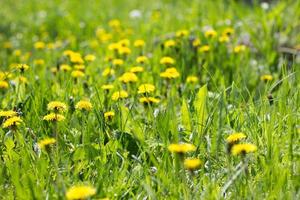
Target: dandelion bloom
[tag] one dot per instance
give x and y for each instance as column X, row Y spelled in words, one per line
column 107, row 87
column 17, row 52
column 139, row 43
column 224, row 39
column 113, row 46
column 148, row 100
column 108, row 115
column 124, row 42
column 266, row 77
column 79, row 67
column 46, row 142
column 146, row 88
column 108, row 72
column 181, row 148
column 136, row 69
column 57, row 106
column 124, row 50
column 22, row 67
column 182, row 33
column 76, row 58
column 77, row 74
column 65, row 67
column 196, row 42
column 235, row 137
column 169, row 43
column 192, row 79
column 39, row 61
column 192, row 163
column 243, row 149
column 204, row 48
column 210, row 33
column 39, row 45
column 84, row 105
column 118, row 62
column 119, row 95
column 54, row 117
column 80, row 192
column 22, row 79
column 239, row 48
column 3, row 85
column 167, row 61
column 12, row 122
column 8, row 113
column 170, row 73
column 89, row 57
column 128, row 77
column 141, row 59
column 228, row 31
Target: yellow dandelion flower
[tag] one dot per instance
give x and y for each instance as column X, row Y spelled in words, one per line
column 149, row 100
column 118, row 62
column 43, row 144
column 114, row 46
column 3, row 85
column 65, row 67
column 228, row 31
column 243, row 149
column 124, row 42
column 170, row 43
column 76, row 58
column 224, row 39
column 109, row 115
column 22, row 67
column 8, row 113
column 128, row 77
column 114, row 23
column 235, row 137
column 77, row 74
column 192, row 163
column 84, row 105
column 79, row 67
column 57, row 106
column 119, row 95
column 192, row 79
column 204, row 48
column 80, row 192
column 90, row 58
column 239, row 48
column 39, row 61
column 196, row 42
column 22, row 79
column 266, row 77
column 12, row 122
column 141, row 59
column 17, row 52
column 136, row 69
column 108, row 72
column 182, row 33
column 170, row 73
column 39, row 45
column 146, row 88
column 139, row 43
column 167, row 61
column 210, row 33
column 107, row 87
column 68, row 52
column 181, row 148
column 7, row 45
column 54, row 117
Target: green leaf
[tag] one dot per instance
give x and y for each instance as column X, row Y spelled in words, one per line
column 185, row 117
column 200, row 107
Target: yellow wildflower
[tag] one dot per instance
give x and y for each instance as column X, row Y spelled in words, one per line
column 12, row 122
column 243, row 149
column 108, row 71
column 192, row 163
column 239, row 48
column 43, row 144
column 210, row 33
column 139, row 43
column 182, row 33
column 118, row 62
column 39, row 45
column 107, row 87
column 54, row 117
column 228, row 31
column 146, row 88
column 148, row 100
column 170, row 73
column 196, row 42
column 65, row 67
column 89, row 57
column 124, row 50
column 192, row 79
column 3, row 85
column 22, row 67
column 39, row 61
column 204, row 48
column 8, row 113
column 76, row 58
column 57, row 106
column 169, row 43
column 77, row 74
column 109, row 115
column 224, row 39
column 266, row 77
column 235, row 137
column 17, row 52
column 181, row 148
column 141, row 59
column 84, row 105
column 119, row 95
column 136, row 69
column 167, row 61
column 128, row 77
column 80, row 192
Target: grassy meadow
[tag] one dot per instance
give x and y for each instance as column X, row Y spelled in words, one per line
column 135, row 99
